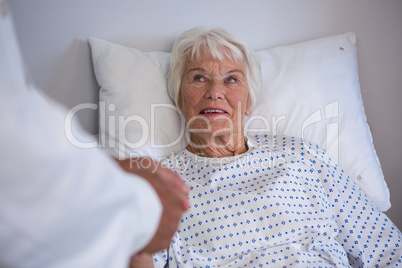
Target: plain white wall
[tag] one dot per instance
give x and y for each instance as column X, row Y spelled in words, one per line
column 53, row 36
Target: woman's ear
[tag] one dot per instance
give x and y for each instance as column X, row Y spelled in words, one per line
column 248, row 111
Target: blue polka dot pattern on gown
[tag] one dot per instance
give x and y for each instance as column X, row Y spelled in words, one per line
column 283, row 203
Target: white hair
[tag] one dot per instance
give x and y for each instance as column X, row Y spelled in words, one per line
column 219, row 43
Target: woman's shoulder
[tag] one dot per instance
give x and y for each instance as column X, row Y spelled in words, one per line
column 304, row 150
column 291, row 146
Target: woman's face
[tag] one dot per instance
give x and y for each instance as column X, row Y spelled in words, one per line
column 214, row 97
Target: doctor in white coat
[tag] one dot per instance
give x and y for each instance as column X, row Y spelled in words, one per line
column 62, row 206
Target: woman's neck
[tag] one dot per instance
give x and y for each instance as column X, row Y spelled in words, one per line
column 218, row 147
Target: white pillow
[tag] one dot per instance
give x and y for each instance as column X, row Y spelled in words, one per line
column 310, row 89
column 133, row 90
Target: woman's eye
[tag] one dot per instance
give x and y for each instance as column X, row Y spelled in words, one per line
column 230, row 80
column 199, row 78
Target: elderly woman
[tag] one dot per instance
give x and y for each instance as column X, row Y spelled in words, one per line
column 259, row 200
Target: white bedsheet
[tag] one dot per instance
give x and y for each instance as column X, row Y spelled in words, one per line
column 284, row 204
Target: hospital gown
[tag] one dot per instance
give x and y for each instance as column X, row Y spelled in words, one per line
column 284, row 203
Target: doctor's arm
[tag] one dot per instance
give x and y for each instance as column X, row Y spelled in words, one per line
column 63, row 206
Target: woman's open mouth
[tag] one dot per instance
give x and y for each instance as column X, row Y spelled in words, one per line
column 213, row 111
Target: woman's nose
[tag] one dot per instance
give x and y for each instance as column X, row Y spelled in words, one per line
column 215, row 91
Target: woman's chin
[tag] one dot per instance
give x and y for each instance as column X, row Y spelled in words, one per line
column 213, row 133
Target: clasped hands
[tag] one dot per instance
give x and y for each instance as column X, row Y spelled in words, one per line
column 173, row 195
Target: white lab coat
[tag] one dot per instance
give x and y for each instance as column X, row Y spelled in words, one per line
column 60, row 206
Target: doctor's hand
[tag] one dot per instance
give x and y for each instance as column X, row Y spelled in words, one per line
column 172, row 192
